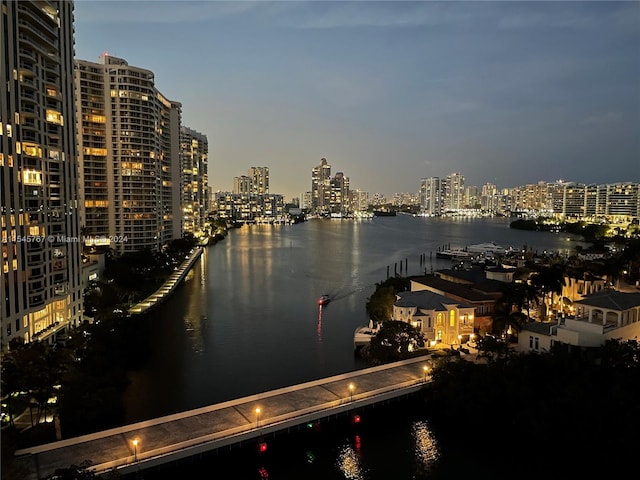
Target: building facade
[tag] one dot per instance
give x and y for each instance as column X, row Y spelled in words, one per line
column 431, row 196
column 129, row 147
column 321, row 187
column 259, row 180
column 194, row 150
column 40, row 281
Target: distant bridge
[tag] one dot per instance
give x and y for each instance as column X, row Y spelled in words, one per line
column 166, row 439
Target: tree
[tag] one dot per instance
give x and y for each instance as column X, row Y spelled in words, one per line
column 549, row 281
column 380, row 303
column 394, row 341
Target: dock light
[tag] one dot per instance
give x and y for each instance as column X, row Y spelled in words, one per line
column 356, row 419
column 262, row 447
column 351, row 389
column 258, row 417
column 425, row 369
column 135, row 442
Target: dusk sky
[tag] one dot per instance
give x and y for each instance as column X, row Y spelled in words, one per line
column 391, row 92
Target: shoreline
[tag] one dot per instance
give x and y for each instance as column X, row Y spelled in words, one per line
column 169, row 285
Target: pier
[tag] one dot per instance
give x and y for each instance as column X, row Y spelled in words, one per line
column 152, row 443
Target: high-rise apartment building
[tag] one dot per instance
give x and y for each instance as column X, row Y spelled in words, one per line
column 454, row 192
column 40, row 280
column 259, row 180
column 242, row 185
column 431, row 196
column 129, row 147
column 321, row 187
column 194, row 149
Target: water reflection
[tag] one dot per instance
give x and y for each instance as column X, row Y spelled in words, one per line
column 349, row 460
column 426, row 448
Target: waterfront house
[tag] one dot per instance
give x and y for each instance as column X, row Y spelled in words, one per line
column 601, row 316
column 472, row 289
column 439, row 318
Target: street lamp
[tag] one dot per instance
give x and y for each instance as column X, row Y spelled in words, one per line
column 258, row 417
column 135, row 442
column 351, row 388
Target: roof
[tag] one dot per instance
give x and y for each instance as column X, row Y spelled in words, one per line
column 611, row 300
column 477, row 278
column 427, row 300
column 542, row 328
column 464, row 291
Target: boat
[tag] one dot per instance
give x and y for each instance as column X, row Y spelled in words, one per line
column 489, row 249
column 324, row 299
column 454, row 254
column 363, row 335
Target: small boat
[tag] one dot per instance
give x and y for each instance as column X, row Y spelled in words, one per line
column 324, row 299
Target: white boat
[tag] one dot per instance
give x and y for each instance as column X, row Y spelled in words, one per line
column 454, row 254
column 363, row 335
column 489, row 249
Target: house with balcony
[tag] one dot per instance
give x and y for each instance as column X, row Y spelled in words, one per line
column 477, row 291
column 439, row 318
column 601, row 316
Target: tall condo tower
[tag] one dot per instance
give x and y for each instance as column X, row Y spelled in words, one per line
column 321, row 187
column 129, row 146
column 259, row 180
column 40, row 280
column 194, row 148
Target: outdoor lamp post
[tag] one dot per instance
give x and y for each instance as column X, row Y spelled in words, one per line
column 135, row 449
column 351, row 388
column 425, row 369
column 258, row 417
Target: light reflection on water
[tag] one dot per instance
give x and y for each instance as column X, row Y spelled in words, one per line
column 349, row 460
column 426, row 450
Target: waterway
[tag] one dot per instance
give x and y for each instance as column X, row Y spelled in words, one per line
column 246, row 319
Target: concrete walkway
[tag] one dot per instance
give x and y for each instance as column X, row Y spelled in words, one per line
column 169, row 285
column 161, row 440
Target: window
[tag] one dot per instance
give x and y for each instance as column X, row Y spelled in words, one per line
column 536, row 343
column 530, row 342
column 452, row 318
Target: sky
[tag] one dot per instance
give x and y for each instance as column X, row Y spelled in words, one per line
column 506, row 92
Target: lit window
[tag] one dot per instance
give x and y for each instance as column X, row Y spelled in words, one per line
column 452, row 318
column 54, row 116
column 32, row 177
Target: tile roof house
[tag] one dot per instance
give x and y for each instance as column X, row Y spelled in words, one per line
column 439, row 318
column 601, row 316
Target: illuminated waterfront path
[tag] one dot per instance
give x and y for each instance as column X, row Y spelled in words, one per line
column 169, row 285
column 154, row 442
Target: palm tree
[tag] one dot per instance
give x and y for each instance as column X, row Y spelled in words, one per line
column 549, row 281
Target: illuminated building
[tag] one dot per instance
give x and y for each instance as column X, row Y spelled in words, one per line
column 40, row 281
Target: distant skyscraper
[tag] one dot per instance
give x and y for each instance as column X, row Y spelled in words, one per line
column 321, row 187
column 454, row 192
column 40, row 280
column 340, row 200
column 242, row 185
column 259, row 180
column 431, row 196
column 129, row 156
column 195, row 184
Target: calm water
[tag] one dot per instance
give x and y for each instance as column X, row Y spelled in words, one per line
column 246, row 320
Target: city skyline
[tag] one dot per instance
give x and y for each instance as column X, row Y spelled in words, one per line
column 504, row 93
column 508, row 93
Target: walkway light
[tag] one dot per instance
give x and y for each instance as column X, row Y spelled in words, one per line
column 425, row 369
column 135, row 442
column 351, row 389
column 258, row 417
